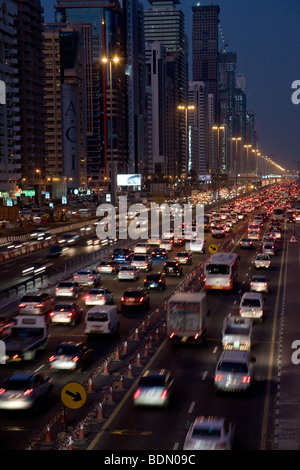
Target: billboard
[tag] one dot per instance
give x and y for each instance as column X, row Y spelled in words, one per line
column 204, row 178
column 129, row 180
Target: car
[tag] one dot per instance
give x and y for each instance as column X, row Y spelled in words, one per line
column 268, row 239
column 36, row 303
column 99, row 296
column 70, row 355
column 269, row 248
column 178, row 241
column 142, row 262
column 128, row 273
column 155, row 388
column 246, row 243
column 259, row 284
column 234, row 371
column 184, row 257
column 55, row 251
column 167, row 244
column 159, row 253
column 135, row 297
column 70, row 238
column 262, row 261
column 34, row 270
column 218, row 231
column 68, row 289
column 94, row 240
column 155, row 281
column 88, row 277
column 24, row 391
column 277, row 234
column 142, row 248
column 172, row 268
column 210, row 433
column 67, row 313
column 252, row 306
column 195, row 245
column 108, row 266
column 122, row 255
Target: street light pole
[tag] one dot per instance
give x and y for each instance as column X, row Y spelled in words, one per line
column 236, row 163
column 247, row 163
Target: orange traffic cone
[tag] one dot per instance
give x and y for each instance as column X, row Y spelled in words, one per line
column 105, row 368
column 70, row 444
column 136, row 335
column 117, row 355
column 81, row 432
column 146, row 352
column 90, row 386
column 143, row 327
column 156, row 334
column 121, row 383
column 110, row 399
column 138, row 359
column 129, row 373
column 99, row 414
column 125, row 349
column 48, row 436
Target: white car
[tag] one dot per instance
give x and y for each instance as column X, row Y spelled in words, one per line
column 262, row 260
column 142, row 248
column 142, row 262
column 100, row 296
column 24, row 390
column 36, row 303
column 234, row 371
column 252, row 306
column 166, row 244
column 155, row 388
column 218, row 231
column 87, row 277
column 210, row 433
column 259, row 284
column 128, row 273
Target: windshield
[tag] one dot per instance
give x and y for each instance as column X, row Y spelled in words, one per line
column 132, row 294
column 97, row 316
column 237, row 330
column 67, row 349
column 251, row 303
column 152, row 382
column 206, row 432
column 14, row 384
column 217, row 269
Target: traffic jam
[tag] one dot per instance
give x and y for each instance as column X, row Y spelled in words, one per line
column 94, row 304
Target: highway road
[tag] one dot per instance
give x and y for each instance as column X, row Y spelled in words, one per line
column 193, row 367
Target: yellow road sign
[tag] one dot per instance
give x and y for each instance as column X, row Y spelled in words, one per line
column 73, row 395
column 213, row 248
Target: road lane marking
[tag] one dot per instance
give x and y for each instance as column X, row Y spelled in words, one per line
column 192, row 405
column 176, row 446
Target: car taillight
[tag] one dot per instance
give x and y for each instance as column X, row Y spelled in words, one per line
column 171, row 335
column 22, row 305
column 141, row 299
column 28, row 392
column 251, row 283
column 218, row 378
column 51, row 314
column 265, row 284
column 75, row 359
column 246, row 379
column 70, row 314
column 90, row 277
column 51, row 358
column 75, row 277
column 240, row 311
column 122, row 299
column 137, row 394
column 86, row 297
column 2, row 390
column 164, row 394
column 38, row 305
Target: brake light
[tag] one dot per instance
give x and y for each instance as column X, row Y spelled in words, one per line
column 22, row 305
column 15, row 356
column 218, row 378
column 51, row 314
column 171, row 335
column 38, row 305
column 70, row 314
column 75, row 359
column 51, row 358
column 122, row 298
column 141, row 299
column 75, row 277
column 28, row 392
column 196, row 336
column 164, row 394
column 240, row 311
column 137, row 394
column 246, row 379
column 2, row 390
column 251, row 283
column 90, row 277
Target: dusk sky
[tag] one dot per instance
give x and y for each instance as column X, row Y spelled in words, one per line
column 265, row 36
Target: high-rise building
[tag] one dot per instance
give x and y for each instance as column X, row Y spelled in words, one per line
column 10, row 130
column 164, row 23
column 102, row 29
column 29, row 24
column 65, row 111
column 198, row 97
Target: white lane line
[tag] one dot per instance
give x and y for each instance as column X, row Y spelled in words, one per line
column 191, row 407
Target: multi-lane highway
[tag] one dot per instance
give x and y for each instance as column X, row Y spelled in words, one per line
column 128, row 428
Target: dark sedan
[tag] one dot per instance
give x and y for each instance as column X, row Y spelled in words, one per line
column 155, row 281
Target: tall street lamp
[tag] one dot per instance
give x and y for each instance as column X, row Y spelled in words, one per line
column 247, row 164
column 114, row 60
column 186, row 109
column 236, row 139
column 218, row 129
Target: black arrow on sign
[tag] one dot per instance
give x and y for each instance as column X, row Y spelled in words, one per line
column 76, row 396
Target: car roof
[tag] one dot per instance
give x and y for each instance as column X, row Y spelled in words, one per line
column 237, row 356
column 156, row 372
column 204, row 420
column 252, row 294
column 21, row 375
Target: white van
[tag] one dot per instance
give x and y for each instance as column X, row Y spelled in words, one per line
column 196, row 245
column 102, row 319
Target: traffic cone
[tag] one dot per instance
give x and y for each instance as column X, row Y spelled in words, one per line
column 117, row 355
column 81, row 432
column 146, row 352
column 90, row 386
column 105, row 368
column 63, row 418
column 129, row 373
column 157, row 313
column 121, row 383
column 148, row 321
column 136, row 335
column 48, row 436
column 156, row 334
column 138, row 359
column 110, row 399
column 99, row 414
column 70, row 444
column 125, row 348
column 150, row 342
column 143, row 327
column 164, row 327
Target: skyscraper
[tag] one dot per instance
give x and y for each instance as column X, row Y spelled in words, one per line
column 164, row 23
column 102, row 28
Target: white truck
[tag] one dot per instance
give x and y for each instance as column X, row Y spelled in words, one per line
column 186, row 317
column 237, row 333
column 26, row 336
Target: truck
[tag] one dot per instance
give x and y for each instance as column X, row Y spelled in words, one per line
column 26, row 335
column 187, row 317
column 237, row 333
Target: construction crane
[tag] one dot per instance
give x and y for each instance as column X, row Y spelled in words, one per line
column 224, row 41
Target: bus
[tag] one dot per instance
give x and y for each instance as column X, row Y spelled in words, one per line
column 221, row 270
column 278, row 213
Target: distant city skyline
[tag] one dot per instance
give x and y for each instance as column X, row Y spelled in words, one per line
column 264, row 34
